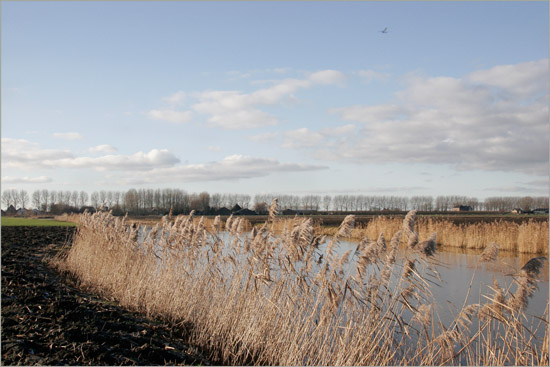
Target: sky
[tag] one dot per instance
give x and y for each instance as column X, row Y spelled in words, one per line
column 276, row 97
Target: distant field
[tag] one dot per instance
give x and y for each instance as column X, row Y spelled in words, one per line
column 10, row 221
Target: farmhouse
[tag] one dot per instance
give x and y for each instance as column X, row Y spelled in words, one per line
column 245, row 212
column 223, row 211
column 462, row 208
column 10, row 212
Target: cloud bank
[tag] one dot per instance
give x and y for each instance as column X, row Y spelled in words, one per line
column 26, row 155
column 233, row 167
column 160, row 165
column 494, row 119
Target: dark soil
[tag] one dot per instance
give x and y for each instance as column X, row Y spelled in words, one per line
column 47, row 320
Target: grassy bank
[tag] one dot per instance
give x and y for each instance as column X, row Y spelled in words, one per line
column 280, row 298
column 30, row 222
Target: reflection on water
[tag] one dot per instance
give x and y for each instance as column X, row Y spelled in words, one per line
column 460, row 273
column 456, row 268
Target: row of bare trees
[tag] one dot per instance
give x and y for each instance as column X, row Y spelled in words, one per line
column 144, row 201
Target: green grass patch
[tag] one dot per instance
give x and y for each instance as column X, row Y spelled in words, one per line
column 11, row 221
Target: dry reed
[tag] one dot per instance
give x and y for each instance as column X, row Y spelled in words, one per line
column 528, row 237
column 280, row 294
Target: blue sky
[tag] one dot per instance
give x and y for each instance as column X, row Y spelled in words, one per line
column 277, row 97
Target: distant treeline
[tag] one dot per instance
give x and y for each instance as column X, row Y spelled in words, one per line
column 161, row 201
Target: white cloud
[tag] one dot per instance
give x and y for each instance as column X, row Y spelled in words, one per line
column 494, row 119
column 370, row 114
column 339, row 130
column 22, row 154
column 230, row 109
column 232, row 167
column 136, row 162
column 178, row 117
column 302, row 138
column 68, row 136
column 326, row 137
column 522, row 80
column 327, row 77
column 176, row 98
column 214, row 148
column 160, row 165
column 104, row 148
column 26, row 179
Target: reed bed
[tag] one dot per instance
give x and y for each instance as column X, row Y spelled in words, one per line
column 530, row 237
column 288, row 297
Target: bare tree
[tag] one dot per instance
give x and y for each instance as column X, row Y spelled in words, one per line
column 327, row 199
column 260, row 207
column 94, row 198
column 45, row 198
column 103, row 197
column 15, row 198
column 24, row 198
column 116, row 198
column 74, row 198
column 37, row 199
column 82, row 198
column 53, row 198
column 7, row 198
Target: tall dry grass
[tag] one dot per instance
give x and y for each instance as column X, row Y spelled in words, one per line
column 528, row 237
column 290, row 298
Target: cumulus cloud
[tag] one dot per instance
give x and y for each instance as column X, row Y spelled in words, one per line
column 25, row 179
column 521, row 80
column 231, row 109
column 232, row 167
column 103, row 148
column 495, row 119
column 22, row 154
column 327, row 77
column 136, row 162
column 302, row 138
column 176, row 98
column 68, row 136
column 160, row 164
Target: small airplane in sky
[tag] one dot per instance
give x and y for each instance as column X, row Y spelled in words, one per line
column 385, row 30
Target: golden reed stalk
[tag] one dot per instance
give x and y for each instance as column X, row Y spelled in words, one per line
column 263, row 297
column 528, row 237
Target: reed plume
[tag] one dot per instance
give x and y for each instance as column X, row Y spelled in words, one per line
column 526, row 283
column 490, row 253
column 428, row 247
column 288, row 296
